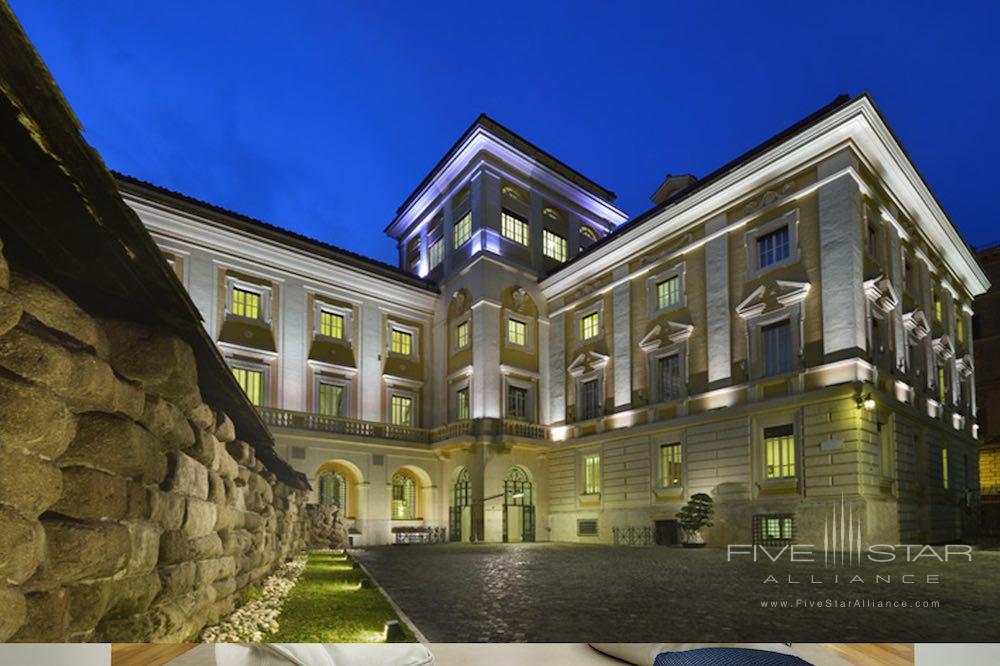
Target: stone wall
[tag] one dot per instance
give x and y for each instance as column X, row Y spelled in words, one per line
column 129, row 510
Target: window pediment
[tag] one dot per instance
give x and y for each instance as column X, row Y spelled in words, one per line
column 675, row 332
column 882, row 294
column 916, row 324
column 944, row 348
column 781, row 292
column 965, row 365
column 587, row 362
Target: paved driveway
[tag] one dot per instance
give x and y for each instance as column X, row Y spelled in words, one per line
column 578, row 593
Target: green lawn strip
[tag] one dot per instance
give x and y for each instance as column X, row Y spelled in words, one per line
column 328, row 606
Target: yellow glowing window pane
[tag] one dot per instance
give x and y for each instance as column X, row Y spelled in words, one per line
column 463, row 404
column 589, row 326
column 402, row 342
column 252, row 383
column 591, row 474
column 668, row 293
column 401, row 412
column 246, row 303
column 462, row 335
column 959, row 328
column 779, row 452
column 404, row 497
column 944, row 468
column 670, row 465
column 331, row 324
column 463, row 230
column 435, row 252
column 514, row 228
column 554, row 246
column 937, row 307
column 942, row 388
column 517, row 332
column 330, row 399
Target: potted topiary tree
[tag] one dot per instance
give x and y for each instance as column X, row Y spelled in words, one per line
column 692, row 517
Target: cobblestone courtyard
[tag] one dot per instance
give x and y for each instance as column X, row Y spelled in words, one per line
column 573, row 593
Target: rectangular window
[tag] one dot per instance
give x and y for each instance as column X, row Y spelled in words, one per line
column 246, row 303
column 402, row 342
column 590, row 326
column 937, row 306
column 252, row 383
column 779, row 452
column 872, row 241
column 772, row 247
column 586, row 527
column 517, row 332
column 942, row 385
column 590, row 405
column 435, row 253
column 776, row 345
column 401, row 410
column 670, row 465
column 462, row 335
column 517, row 402
column 773, row 529
column 944, row 468
column 959, row 328
column 668, row 293
column 331, row 324
column 671, row 383
column 514, row 227
column 331, row 399
column 554, row 246
column 591, row 474
column 462, row 404
column 463, row 230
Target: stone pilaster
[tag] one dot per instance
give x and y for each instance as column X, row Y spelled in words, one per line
column 622, row 339
column 718, row 313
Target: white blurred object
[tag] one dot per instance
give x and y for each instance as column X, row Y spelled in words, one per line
column 966, row 654
column 306, row 654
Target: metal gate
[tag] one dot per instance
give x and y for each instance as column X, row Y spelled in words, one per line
column 461, row 497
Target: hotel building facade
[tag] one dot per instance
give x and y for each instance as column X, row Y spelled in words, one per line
column 789, row 331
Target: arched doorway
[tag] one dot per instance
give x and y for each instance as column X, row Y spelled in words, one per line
column 333, row 490
column 404, row 496
column 518, row 506
column 460, row 513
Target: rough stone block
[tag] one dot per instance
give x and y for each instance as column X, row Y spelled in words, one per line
column 212, row 570
column 138, row 501
column 57, row 311
column 14, row 611
column 177, row 580
column 116, row 445
column 22, row 544
column 162, row 364
column 205, row 449
column 225, row 431
column 90, row 494
column 88, row 602
column 228, row 517
column 186, row 475
column 176, row 546
column 202, row 417
column 200, row 517
column 242, row 452
column 133, row 595
column 47, row 618
column 176, row 621
column 33, row 418
column 10, row 311
column 78, row 551
column 224, row 588
column 27, row 482
column 144, row 538
column 216, row 489
column 168, row 423
column 166, row 508
column 227, row 466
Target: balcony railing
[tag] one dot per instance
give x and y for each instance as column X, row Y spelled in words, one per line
column 338, row 425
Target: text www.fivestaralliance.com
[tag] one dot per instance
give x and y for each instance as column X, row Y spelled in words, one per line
column 848, row 603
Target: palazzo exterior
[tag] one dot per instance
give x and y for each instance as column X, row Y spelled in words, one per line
column 790, row 330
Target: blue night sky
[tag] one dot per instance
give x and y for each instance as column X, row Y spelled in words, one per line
column 322, row 117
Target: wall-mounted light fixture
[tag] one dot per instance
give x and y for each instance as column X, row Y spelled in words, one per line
column 866, row 402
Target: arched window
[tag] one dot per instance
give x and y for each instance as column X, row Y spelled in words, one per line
column 404, row 497
column 461, row 494
column 333, row 490
column 517, row 487
column 588, row 233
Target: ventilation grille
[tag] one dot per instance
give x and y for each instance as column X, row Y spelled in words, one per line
column 586, row 528
column 378, row 460
column 298, row 453
column 773, row 529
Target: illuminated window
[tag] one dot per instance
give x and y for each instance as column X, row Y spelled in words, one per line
column 590, row 400
column 671, row 384
column 252, row 383
column 779, row 452
column 333, row 490
column 668, row 293
column 404, row 497
column 435, row 253
column 937, row 306
column 513, row 227
column 670, row 465
column 246, row 303
column 401, row 410
column 554, row 246
column 402, row 342
column 959, row 328
column 591, row 474
column 331, row 324
column 463, row 230
column 942, row 387
column 588, row 234
column 517, row 402
column 462, row 335
column 517, row 332
column 590, row 326
column 944, row 468
column 462, row 404
column 773, row 529
column 772, row 247
column 331, row 397
column 776, row 343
